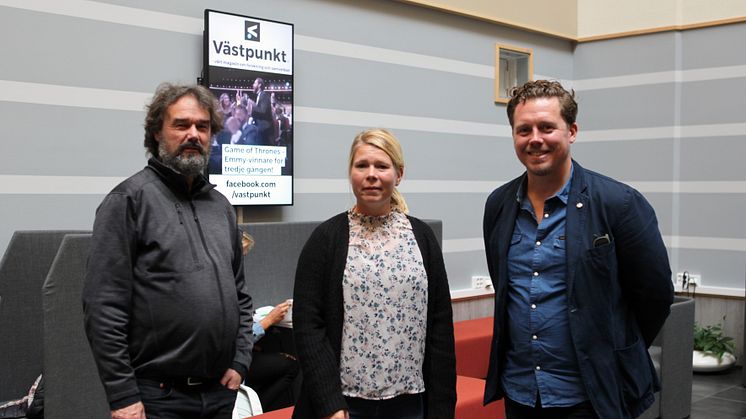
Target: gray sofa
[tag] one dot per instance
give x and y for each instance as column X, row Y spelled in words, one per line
column 672, row 355
column 23, row 268
column 73, row 389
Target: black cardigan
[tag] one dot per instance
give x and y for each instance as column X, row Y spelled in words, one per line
column 318, row 314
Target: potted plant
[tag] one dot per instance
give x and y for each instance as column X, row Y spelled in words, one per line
column 713, row 351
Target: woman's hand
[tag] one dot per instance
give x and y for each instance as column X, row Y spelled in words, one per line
column 276, row 315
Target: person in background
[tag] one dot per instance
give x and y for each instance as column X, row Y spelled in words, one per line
column 273, row 375
column 166, row 309
column 261, row 112
column 226, row 106
column 581, row 276
column 372, row 315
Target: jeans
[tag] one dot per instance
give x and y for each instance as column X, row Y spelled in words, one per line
column 163, row 400
column 515, row 410
column 406, row 406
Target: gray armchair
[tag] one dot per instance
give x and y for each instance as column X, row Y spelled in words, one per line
column 672, row 355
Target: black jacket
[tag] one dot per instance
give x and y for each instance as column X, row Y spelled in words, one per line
column 318, row 313
column 164, row 294
column 619, row 290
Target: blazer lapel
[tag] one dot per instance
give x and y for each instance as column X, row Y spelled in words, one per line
column 578, row 205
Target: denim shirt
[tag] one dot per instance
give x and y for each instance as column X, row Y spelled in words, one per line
column 540, row 360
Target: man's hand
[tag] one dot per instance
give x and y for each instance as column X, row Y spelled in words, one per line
column 133, row 411
column 339, row 414
column 231, row 379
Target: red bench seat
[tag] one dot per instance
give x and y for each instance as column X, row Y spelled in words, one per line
column 473, row 341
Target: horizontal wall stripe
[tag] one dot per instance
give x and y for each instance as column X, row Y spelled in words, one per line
column 57, row 185
column 83, row 97
column 695, row 187
column 190, row 25
column 46, row 94
column 370, row 119
column 100, row 185
column 364, row 52
column 725, row 291
column 672, row 242
column 92, row 185
column 463, row 245
column 72, row 185
column 194, row 26
column 705, row 243
column 104, row 12
column 57, row 95
column 683, row 131
column 642, row 79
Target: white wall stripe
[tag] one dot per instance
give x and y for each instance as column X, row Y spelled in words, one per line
column 57, row 185
column 103, row 12
column 84, row 97
column 682, row 242
column 642, row 79
column 463, row 245
column 364, row 52
column 193, row 26
column 705, row 243
column 370, row 119
column 99, row 185
column 471, row 292
column 698, row 187
column 112, row 13
column 58, row 95
column 683, row 131
column 623, row 81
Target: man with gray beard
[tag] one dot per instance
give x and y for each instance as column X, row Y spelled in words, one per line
column 167, row 313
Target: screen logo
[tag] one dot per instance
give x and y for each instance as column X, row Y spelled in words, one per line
column 251, row 31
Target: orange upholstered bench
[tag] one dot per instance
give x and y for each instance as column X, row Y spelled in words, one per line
column 469, row 405
column 285, row 413
column 470, row 393
column 473, row 341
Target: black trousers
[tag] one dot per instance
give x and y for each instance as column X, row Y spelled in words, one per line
column 276, row 379
column 514, row 410
column 165, row 400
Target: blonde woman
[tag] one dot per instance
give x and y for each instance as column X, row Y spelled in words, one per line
column 372, row 312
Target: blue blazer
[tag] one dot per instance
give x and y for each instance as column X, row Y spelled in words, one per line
column 619, row 291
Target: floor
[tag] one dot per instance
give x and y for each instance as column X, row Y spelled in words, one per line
column 718, row 395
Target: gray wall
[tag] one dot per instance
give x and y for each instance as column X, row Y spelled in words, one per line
column 667, row 113
column 75, row 75
column 72, row 91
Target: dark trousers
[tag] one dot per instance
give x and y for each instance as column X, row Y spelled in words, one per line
column 515, row 410
column 167, row 400
column 406, row 406
column 275, row 378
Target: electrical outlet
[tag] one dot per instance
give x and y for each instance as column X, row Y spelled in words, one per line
column 693, row 280
column 480, row 282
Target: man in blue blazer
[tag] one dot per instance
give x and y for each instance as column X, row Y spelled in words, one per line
column 581, row 274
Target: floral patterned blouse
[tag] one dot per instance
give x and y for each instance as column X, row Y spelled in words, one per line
column 385, row 309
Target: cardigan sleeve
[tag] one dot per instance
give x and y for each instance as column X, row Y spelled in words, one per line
column 311, row 323
column 440, row 358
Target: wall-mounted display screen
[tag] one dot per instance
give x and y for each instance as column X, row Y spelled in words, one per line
column 249, row 67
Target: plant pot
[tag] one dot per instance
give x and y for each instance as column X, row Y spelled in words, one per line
column 709, row 362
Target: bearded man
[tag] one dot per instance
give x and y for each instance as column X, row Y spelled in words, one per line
column 167, row 313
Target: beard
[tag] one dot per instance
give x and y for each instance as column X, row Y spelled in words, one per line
column 188, row 165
